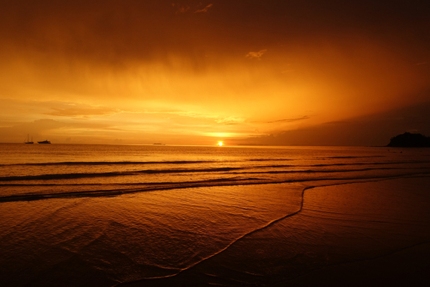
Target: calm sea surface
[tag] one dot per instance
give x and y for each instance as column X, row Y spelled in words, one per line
column 30, row 172
column 105, row 215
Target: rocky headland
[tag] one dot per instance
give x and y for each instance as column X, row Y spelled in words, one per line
column 410, row 140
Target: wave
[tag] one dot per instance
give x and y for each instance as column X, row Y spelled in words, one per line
column 231, row 170
column 353, row 156
column 114, row 173
column 371, row 163
column 190, row 162
column 90, row 163
column 270, row 159
column 117, row 189
column 120, row 189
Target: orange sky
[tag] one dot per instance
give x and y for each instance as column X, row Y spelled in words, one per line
column 195, row 72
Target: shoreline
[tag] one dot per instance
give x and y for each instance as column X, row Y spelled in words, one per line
column 350, row 232
column 383, row 265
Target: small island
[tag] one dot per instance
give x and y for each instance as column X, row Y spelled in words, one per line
column 410, row 140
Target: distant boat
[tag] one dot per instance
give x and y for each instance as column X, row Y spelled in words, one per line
column 28, row 141
column 44, row 142
column 159, row 144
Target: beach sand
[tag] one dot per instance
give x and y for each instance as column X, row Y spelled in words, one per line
column 368, row 233
column 356, row 234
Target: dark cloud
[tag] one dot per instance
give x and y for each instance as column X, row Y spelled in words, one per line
column 118, row 30
column 290, row 120
column 375, row 130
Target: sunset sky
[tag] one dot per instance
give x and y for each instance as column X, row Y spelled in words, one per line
column 195, row 72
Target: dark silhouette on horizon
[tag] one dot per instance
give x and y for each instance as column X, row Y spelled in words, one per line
column 410, row 140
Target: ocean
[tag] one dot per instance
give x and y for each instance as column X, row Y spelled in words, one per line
column 160, row 215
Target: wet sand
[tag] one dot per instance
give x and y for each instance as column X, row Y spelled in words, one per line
column 322, row 233
column 355, row 234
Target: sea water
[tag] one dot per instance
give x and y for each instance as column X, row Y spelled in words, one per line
column 108, row 215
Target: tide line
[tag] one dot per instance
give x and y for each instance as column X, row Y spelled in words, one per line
column 265, row 226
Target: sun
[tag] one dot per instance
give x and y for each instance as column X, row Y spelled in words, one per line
column 220, row 143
